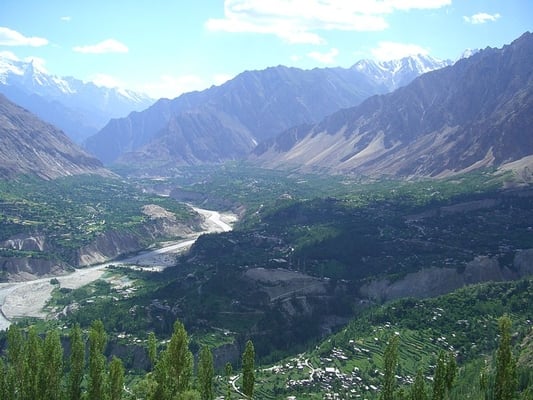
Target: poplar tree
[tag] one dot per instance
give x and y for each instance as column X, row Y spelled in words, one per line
column 173, row 370
column 248, row 370
column 206, row 372
column 439, row 377
column 390, row 360
column 15, row 359
column 52, row 367
column 116, row 379
column 505, row 383
column 77, row 363
column 228, row 369
column 418, row 390
column 152, row 349
column 97, row 361
column 32, row 360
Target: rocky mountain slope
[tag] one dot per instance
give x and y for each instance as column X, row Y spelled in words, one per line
column 80, row 109
column 476, row 113
column 30, row 146
column 226, row 122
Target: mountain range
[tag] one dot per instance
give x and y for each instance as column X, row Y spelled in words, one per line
column 226, row 122
column 31, row 146
column 80, row 109
column 476, row 113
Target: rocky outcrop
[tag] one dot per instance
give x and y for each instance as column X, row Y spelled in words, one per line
column 22, row 269
column 436, row 281
column 112, row 244
column 25, row 243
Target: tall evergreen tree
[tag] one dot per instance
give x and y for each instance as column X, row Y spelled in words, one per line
column 451, row 370
column 439, row 377
column 228, row 369
column 248, row 370
column 505, row 383
column 152, row 348
column 116, row 379
column 77, row 363
column 173, row 370
column 15, row 358
column 206, row 373
column 97, row 361
column 418, row 389
column 32, row 365
column 390, row 361
column 52, row 367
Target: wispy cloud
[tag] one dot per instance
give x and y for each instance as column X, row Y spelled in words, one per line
column 300, row 21
column 105, row 46
column 170, row 87
column 9, row 37
column 66, row 18
column 481, row 18
column 387, row 51
column 324, row 58
column 105, row 80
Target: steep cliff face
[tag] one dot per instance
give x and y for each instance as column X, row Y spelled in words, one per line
column 432, row 282
column 112, row 244
column 25, row 269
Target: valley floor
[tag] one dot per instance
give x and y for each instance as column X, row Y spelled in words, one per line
column 28, row 299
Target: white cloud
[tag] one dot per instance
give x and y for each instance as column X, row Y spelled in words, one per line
column 9, row 56
column 105, row 46
column 324, row 58
column 297, row 21
column 171, row 87
column 105, row 80
column 481, row 18
column 66, row 18
column 387, row 51
column 9, row 37
column 220, row 79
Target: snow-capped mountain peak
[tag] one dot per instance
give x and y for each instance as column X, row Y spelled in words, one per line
column 78, row 108
column 395, row 73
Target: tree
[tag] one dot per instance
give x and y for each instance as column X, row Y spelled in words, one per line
column 418, row 389
column 390, row 360
column 248, row 370
column 451, row 370
column 505, row 383
column 32, row 365
column 439, row 377
column 52, row 371
column 15, row 359
column 77, row 363
column 116, row 379
column 97, row 361
column 206, row 373
column 173, row 370
column 152, row 348
column 228, row 369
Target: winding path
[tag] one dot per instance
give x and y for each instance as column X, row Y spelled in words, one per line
column 27, row 299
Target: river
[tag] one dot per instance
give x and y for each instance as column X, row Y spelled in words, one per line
column 28, row 298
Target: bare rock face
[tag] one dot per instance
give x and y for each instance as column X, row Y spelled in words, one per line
column 523, row 262
column 434, row 281
column 22, row 269
column 25, row 243
column 29, row 146
column 112, row 244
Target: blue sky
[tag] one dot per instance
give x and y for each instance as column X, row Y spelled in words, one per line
column 169, row 47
